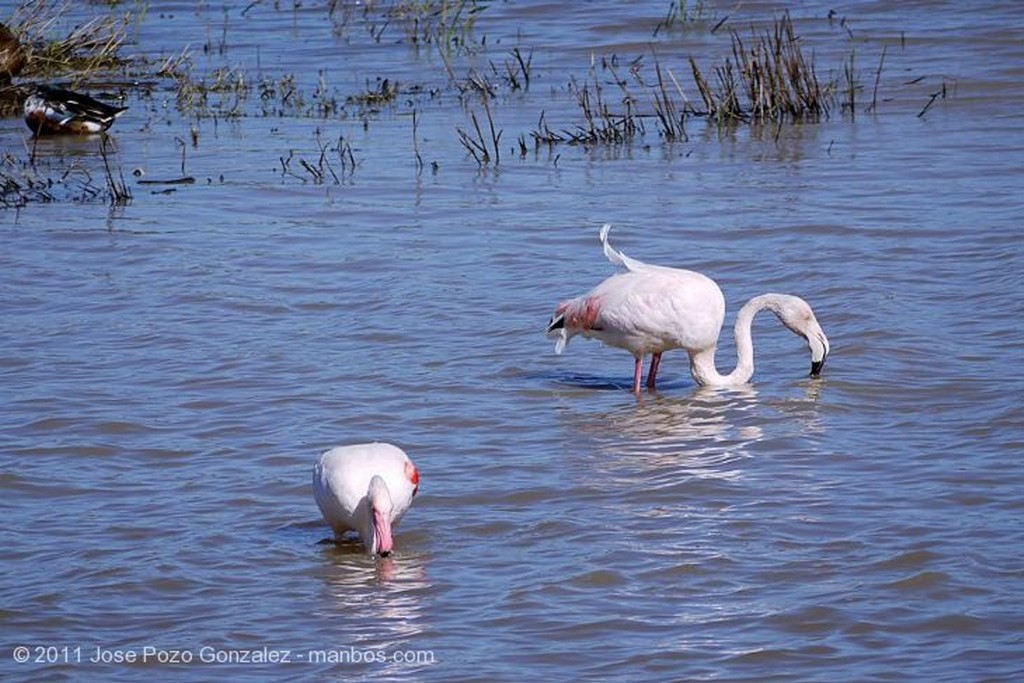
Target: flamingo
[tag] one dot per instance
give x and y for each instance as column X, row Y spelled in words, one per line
column 365, row 488
column 651, row 309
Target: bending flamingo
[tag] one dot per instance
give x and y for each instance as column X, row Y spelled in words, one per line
column 365, row 488
column 651, row 309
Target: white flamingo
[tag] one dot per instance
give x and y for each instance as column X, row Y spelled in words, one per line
column 650, row 309
column 365, row 488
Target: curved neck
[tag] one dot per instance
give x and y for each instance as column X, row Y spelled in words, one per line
column 377, row 505
column 702, row 363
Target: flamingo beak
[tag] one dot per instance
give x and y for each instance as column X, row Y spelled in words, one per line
column 382, row 531
column 818, row 343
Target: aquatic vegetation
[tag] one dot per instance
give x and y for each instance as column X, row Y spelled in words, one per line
column 768, row 74
column 24, row 181
column 447, row 23
column 671, row 120
column 516, row 71
column 482, row 147
column 385, row 92
column 681, row 13
column 321, row 169
column 772, row 79
column 603, row 125
column 86, row 50
column 768, row 77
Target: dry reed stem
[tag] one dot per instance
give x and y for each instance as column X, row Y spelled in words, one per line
column 778, row 80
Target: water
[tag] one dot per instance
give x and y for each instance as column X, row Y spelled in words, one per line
column 172, row 369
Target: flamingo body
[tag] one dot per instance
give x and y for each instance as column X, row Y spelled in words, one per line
column 650, row 309
column 365, row 488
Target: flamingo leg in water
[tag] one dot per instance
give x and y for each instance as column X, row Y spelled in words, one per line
column 653, row 372
column 638, row 371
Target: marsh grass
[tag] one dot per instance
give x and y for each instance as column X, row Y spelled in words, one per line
column 937, row 95
column 196, row 97
column 21, row 183
column 58, row 179
column 603, row 122
column 226, row 92
column 671, row 119
column 483, row 147
column 544, row 135
column 117, row 191
column 681, row 13
column 385, row 92
column 516, row 71
column 448, row 24
column 769, row 78
column 84, row 51
column 321, row 170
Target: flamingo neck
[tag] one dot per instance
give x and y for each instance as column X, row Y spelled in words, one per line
column 702, row 363
column 377, row 519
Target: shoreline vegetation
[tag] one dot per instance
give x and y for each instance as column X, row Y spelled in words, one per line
column 769, row 76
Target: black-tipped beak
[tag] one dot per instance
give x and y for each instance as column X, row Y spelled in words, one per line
column 816, row 366
column 384, row 553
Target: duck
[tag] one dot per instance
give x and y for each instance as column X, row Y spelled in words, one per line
column 49, row 109
column 365, row 488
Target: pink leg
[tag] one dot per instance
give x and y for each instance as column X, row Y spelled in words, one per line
column 653, row 372
column 638, row 371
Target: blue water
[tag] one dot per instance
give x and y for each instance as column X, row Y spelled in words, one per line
column 171, row 369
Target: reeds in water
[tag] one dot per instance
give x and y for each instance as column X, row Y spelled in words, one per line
column 604, row 124
column 771, row 79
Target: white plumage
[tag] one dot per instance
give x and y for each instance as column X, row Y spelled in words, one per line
column 651, row 309
column 365, row 488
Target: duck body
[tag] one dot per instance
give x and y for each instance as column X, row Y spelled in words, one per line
column 51, row 110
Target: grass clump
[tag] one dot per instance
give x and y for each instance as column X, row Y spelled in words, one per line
column 385, row 92
column 771, row 79
column 85, row 50
column 447, row 23
column 56, row 179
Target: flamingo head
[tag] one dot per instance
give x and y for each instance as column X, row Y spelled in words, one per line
column 381, row 510
column 796, row 314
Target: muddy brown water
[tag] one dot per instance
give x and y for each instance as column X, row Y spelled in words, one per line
column 171, row 369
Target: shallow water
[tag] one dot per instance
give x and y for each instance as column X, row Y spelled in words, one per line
column 171, row 369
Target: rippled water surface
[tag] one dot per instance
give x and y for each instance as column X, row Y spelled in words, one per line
column 172, row 368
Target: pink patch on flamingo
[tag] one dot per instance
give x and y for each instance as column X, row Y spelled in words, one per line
column 413, row 475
